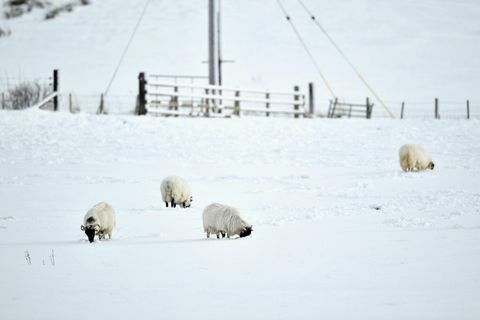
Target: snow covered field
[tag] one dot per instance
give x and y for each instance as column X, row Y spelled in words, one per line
column 311, row 189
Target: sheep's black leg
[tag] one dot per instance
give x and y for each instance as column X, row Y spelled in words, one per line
column 184, row 205
column 166, row 204
column 223, row 234
column 218, row 236
column 172, row 204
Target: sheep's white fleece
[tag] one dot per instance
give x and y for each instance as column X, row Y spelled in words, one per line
column 412, row 156
column 104, row 216
column 177, row 189
column 219, row 218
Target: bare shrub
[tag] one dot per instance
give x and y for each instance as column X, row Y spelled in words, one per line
column 26, row 94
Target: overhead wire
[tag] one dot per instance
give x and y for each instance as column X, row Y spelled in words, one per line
column 127, row 46
column 307, row 50
column 349, row 62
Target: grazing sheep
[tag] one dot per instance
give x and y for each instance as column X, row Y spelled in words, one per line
column 175, row 190
column 99, row 220
column 224, row 220
column 412, row 156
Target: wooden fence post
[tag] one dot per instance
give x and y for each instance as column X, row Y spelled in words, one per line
column 55, row 89
column 267, row 105
column 207, row 103
column 142, row 92
column 335, row 102
column 101, row 107
column 3, row 100
column 311, row 100
column 369, row 109
column 296, row 97
column 70, row 104
column 468, row 109
column 401, row 111
column 437, row 116
column 236, row 107
column 175, row 99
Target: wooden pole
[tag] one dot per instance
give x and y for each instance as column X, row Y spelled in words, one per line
column 70, row 107
column 236, row 106
column 296, row 97
column 212, row 43
column 142, row 92
column 55, row 89
column 267, row 105
column 369, row 109
column 311, row 100
column 207, row 104
column 468, row 109
column 334, row 107
column 175, row 99
column 437, row 116
column 101, row 108
column 403, row 109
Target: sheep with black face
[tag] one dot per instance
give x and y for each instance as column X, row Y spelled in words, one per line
column 414, row 157
column 99, row 221
column 224, row 220
column 175, row 190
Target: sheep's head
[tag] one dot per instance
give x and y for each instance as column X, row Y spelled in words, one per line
column 188, row 203
column 90, row 231
column 431, row 165
column 246, row 231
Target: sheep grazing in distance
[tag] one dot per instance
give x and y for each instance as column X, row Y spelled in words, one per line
column 224, row 220
column 175, row 190
column 412, row 156
column 99, row 220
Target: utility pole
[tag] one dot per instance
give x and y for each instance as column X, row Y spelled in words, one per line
column 219, row 44
column 213, row 59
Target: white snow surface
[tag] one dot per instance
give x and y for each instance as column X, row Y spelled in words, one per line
column 408, row 50
column 311, row 189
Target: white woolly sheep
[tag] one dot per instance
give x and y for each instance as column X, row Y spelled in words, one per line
column 412, row 156
column 99, row 220
column 175, row 190
column 224, row 220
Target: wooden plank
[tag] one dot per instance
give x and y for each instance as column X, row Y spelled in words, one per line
column 218, row 97
column 45, row 100
column 215, row 87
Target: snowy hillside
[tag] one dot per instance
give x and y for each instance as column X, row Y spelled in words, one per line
column 340, row 232
column 408, row 50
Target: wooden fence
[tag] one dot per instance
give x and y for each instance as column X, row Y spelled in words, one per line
column 186, row 99
column 339, row 109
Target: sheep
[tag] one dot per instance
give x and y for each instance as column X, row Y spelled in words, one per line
column 412, row 156
column 175, row 190
column 99, row 220
column 224, row 220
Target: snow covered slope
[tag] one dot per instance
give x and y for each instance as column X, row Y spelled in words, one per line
column 408, row 50
column 340, row 232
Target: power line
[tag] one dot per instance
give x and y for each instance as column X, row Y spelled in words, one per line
column 369, row 87
column 127, row 46
column 307, row 50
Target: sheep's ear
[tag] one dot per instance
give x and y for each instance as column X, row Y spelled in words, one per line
column 82, row 227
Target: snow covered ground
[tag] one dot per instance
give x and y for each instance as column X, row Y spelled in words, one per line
column 340, row 232
column 408, row 50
